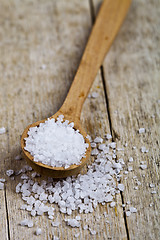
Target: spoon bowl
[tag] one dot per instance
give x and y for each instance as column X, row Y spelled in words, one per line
column 108, row 22
column 56, row 172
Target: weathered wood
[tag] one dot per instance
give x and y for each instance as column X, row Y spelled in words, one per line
column 53, row 33
column 132, row 77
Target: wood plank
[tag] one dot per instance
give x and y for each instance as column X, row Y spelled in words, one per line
column 133, row 88
column 50, row 33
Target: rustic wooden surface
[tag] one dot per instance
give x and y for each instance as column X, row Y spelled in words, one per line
column 54, row 33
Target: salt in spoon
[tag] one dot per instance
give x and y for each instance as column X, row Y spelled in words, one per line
column 108, row 22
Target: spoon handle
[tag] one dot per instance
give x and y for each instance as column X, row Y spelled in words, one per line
column 108, row 22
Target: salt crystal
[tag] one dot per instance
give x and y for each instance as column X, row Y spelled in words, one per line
column 130, row 168
column 94, row 152
column 128, row 202
column 112, row 204
column 108, row 136
column 143, row 166
column 43, row 66
column 136, row 188
column 38, row 231
column 73, row 222
column 121, row 187
column 94, row 95
column 76, row 235
column 133, row 209
column 93, row 144
column 141, row 130
column 85, row 227
column 112, row 145
column 98, row 140
column 130, row 159
column 128, row 213
column 144, row 150
column 55, row 224
column 152, row 185
column 9, row 172
column 153, row 192
column 93, row 232
column 2, row 179
column 30, row 223
column 2, row 130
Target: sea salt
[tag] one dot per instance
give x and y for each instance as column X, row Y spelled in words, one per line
column 112, row 204
column 128, row 213
column 9, row 172
column 121, row 187
column 141, row 130
column 38, row 231
column 94, row 95
column 143, row 166
column 2, row 130
column 18, row 157
column 56, row 143
column 144, row 150
column 133, row 209
column 152, row 185
column 73, row 222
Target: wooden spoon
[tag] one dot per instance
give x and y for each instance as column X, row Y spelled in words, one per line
column 108, row 22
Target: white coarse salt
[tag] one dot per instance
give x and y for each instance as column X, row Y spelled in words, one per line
column 130, row 159
column 136, row 188
column 38, row 231
column 77, row 235
column 72, row 222
column 108, row 136
column 128, row 213
column 2, row 180
column 93, row 232
column 143, row 166
column 152, row 185
column 2, row 130
column 112, row 145
column 130, row 168
column 153, row 192
column 133, row 209
column 1, row 185
column 56, row 143
column 94, row 95
column 144, row 150
column 93, row 144
column 121, row 187
column 98, row 140
column 85, row 227
column 30, row 223
column 141, row 130
column 112, row 204
column 9, row 172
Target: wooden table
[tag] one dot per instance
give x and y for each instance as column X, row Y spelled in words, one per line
column 41, row 44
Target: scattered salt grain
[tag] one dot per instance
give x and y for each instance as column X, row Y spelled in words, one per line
column 141, row 130
column 112, row 145
column 94, row 95
column 2, row 130
column 2, row 179
column 136, row 188
column 128, row 213
column 85, row 227
column 55, row 224
column 30, row 223
column 112, row 204
column 72, row 222
column 9, row 172
column 93, row 145
column 38, row 231
column 133, row 209
column 94, row 152
column 93, row 232
column 130, row 168
column 98, row 140
column 108, row 136
column 121, row 187
column 130, row 159
column 153, row 192
column 134, row 147
column 143, row 166
column 152, row 185
column 76, row 235
column 43, row 66
column 144, row 150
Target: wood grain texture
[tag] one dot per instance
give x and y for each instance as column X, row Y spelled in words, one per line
column 132, row 77
column 34, row 34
